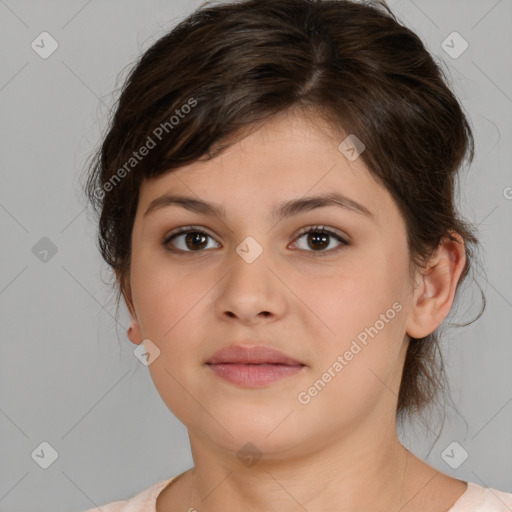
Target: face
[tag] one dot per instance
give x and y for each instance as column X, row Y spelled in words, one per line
column 327, row 285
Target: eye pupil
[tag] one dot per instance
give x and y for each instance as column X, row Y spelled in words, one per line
column 321, row 238
column 193, row 237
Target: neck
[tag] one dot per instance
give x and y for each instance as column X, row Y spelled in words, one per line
column 352, row 474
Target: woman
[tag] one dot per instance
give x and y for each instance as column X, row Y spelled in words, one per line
column 276, row 199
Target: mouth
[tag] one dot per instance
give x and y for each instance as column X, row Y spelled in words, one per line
column 254, row 375
column 253, row 366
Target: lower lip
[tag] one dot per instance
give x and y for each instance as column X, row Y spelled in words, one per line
column 254, row 375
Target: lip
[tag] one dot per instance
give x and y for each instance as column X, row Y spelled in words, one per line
column 253, row 365
column 251, row 354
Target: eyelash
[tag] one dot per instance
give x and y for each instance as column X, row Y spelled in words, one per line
column 313, row 229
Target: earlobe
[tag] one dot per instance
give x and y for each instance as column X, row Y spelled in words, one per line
column 134, row 333
column 433, row 298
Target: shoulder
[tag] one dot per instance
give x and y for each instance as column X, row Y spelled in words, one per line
column 496, row 500
column 144, row 501
column 483, row 499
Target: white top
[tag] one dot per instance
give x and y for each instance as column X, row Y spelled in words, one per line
column 475, row 499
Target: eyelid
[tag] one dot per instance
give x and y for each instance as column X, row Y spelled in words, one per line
column 321, row 227
column 182, row 229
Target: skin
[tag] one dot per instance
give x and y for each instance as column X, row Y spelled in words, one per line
column 341, row 450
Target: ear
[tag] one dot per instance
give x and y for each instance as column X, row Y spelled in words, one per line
column 134, row 331
column 434, row 296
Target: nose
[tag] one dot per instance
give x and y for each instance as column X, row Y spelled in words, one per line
column 251, row 293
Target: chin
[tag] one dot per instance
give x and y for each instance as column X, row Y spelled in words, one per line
column 265, row 435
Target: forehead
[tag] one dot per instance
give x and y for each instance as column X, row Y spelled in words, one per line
column 289, row 157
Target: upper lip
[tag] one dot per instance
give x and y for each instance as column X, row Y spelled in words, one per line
column 252, row 354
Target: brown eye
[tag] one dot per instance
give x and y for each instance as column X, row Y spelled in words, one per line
column 319, row 239
column 187, row 240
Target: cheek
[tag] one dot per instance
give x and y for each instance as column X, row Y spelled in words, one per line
column 172, row 387
column 166, row 299
column 347, row 302
column 363, row 334
column 369, row 332
column 354, row 377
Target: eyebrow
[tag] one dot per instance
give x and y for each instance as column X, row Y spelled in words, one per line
column 284, row 209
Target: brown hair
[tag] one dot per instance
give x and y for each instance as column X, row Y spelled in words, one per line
column 229, row 67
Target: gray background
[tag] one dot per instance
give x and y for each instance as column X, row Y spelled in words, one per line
column 69, row 377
